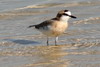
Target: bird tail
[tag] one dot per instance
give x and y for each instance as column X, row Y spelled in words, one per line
column 31, row 26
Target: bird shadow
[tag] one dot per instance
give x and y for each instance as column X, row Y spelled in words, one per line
column 21, row 41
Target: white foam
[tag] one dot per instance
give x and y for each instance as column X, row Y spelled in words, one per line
column 86, row 20
column 34, row 6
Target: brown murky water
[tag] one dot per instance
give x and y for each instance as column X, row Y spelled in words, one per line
column 79, row 46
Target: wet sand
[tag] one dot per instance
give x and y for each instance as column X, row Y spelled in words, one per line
column 79, row 46
column 26, row 51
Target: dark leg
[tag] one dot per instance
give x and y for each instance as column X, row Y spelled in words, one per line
column 56, row 39
column 47, row 41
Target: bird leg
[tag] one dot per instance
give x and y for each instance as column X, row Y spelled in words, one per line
column 56, row 39
column 47, row 41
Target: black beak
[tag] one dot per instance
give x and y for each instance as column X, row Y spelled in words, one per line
column 72, row 16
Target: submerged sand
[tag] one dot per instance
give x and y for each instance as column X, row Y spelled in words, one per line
column 79, row 46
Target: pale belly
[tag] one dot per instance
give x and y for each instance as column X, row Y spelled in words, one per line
column 53, row 33
column 55, row 30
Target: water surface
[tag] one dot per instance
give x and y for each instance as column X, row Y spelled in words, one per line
column 23, row 47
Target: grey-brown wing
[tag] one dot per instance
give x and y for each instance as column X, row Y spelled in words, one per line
column 44, row 24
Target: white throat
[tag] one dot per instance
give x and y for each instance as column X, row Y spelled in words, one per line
column 64, row 18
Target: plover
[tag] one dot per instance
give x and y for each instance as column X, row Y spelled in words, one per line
column 55, row 26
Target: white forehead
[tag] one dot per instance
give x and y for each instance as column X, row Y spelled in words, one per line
column 68, row 12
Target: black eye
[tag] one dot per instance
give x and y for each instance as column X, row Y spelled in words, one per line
column 66, row 10
column 65, row 14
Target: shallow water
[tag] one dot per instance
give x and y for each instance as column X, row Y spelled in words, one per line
column 79, row 46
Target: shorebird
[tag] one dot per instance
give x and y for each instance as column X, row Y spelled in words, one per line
column 55, row 26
